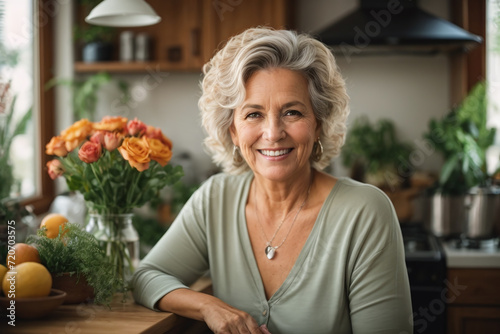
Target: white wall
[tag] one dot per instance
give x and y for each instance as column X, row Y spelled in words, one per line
column 409, row 90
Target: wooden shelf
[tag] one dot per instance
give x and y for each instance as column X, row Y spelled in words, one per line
column 128, row 67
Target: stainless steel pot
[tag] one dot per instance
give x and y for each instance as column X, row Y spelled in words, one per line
column 447, row 215
column 483, row 218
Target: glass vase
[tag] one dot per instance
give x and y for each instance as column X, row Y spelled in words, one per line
column 120, row 242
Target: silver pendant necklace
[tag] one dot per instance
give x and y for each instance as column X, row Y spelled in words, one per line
column 270, row 249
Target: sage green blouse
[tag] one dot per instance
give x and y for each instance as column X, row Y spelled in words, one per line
column 350, row 276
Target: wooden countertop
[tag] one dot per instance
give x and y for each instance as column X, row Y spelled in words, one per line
column 122, row 317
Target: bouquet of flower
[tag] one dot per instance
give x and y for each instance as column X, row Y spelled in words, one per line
column 117, row 164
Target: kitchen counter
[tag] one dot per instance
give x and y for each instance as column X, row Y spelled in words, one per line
column 486, row 257
column 121, row 317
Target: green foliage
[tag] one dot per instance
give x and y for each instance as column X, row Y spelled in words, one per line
column 462, row 138
column 150, row 231
column 111, row 185
column 85, row 92
column 9, row 129
column 92, row 33
column 77, row 251
column 376, row 147
column 88, row 33
column 181, row 192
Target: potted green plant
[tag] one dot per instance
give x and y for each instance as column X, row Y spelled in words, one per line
column 76, row 263
column 462, row 138
column 85, row 92
column 374, row 153
column 96, row 40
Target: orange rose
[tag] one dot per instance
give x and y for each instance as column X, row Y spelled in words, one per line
column 56, row 146
column 136, row 152
column 156, row 133
column 159, row 152
column 76, row 133
column 90, row 152
column 111, row 123
column 55, row 169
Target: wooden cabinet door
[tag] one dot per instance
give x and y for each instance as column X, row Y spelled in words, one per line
column 177, row 38
column 225, row 18
column 473, row 320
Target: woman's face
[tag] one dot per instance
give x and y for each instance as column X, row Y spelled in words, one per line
column 275, row 126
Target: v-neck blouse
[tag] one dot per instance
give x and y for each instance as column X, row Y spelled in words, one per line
column 350, row 276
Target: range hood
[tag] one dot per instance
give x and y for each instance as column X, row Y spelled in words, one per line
column 395, row 26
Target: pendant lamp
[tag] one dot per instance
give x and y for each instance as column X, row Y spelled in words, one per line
column 123, row 13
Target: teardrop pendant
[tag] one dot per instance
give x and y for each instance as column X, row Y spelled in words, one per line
column 270, row 251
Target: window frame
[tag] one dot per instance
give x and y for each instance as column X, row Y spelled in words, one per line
column 467, row 69
column 44, row 27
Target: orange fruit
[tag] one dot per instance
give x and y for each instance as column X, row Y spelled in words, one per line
column 51, row 222
column 23, row 253
column 3, row 271
column 28, row 279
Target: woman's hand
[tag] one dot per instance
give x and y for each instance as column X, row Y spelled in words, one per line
column 222, row 318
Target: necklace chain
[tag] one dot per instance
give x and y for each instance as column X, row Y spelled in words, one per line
column 271, row 250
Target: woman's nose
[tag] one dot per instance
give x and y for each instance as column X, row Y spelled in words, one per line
column 274, row 130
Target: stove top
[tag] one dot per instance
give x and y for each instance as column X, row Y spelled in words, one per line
column 419, row 244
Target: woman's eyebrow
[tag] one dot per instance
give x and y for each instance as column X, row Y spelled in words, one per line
column 291, row 104
column 285, row 106
column 252, row 106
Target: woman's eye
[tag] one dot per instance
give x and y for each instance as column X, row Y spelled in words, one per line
column 293, row 113
column 253, row 115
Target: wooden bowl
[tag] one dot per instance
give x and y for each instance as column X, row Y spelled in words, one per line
column 33, row 308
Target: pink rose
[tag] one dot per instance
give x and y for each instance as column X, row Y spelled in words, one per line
column 112, row 140
column 98, row 138
column 55, row 169
column 90, row 152
column 136, row 127
column 156, row 133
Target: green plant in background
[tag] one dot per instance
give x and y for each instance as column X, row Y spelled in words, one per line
column 91, row 33
column 77, row 252
column 85, row 92
column 88, row 33
column 9, row 129
column 376, row 150
column 462, row 138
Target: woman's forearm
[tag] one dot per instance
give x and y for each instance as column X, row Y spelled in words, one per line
column 219, row 316
column 185, row 302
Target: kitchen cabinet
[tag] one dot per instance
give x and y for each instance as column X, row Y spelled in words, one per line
column 473, row 300
column 191, row 31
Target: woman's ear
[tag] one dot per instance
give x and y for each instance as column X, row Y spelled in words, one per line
column 318, row 129
column 234, row 135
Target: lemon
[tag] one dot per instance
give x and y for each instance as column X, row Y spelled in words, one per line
column 28, row 279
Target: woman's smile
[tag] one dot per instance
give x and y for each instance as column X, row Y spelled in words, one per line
column 281, row 153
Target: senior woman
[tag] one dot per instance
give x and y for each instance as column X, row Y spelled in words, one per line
column 287, row 246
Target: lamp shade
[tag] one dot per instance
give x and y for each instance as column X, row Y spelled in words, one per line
column 123, row 13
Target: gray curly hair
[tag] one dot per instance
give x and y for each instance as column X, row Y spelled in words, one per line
column 225, row 75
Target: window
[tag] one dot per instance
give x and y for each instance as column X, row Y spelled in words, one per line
column 25, row 50
column 17, row 90
column 493, row 61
